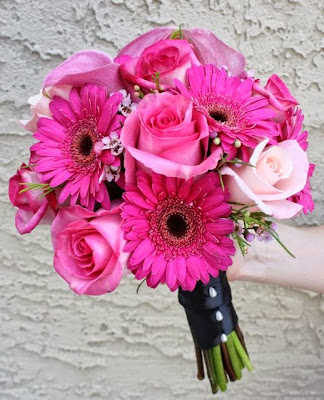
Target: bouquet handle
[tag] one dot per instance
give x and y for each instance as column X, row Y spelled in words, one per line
column 219, row 343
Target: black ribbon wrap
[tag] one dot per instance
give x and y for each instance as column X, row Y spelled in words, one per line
column 201, row 311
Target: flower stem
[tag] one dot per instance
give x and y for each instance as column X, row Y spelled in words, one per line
column 221, row 180
column 200, row 364
column 241, row 337
column 220, row 373
column 241, row 352
column 227, row 363
column 233, row 357
column 210, row 373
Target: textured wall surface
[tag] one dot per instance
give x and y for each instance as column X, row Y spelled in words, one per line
column 55, row 345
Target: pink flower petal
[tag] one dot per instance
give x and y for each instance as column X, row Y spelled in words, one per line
column 89, row 66
column 143, row 250
column 171, row 277
column 180, row 268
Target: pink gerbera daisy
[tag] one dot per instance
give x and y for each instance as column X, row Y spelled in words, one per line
column 177, row 229
column 79, row 146
column 236, row 118
column 291, row 129
column 304, row 197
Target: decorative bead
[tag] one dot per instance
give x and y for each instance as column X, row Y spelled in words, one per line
column 237, row 143
column 212, row 292
column 224, row 338
column 219, row 316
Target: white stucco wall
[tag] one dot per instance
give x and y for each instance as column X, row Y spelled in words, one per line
column 55, row 345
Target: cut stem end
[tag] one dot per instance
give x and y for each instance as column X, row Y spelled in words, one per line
column 224, row 362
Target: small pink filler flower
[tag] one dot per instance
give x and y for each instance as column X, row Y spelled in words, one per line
column 79, row 146
column 176, row 229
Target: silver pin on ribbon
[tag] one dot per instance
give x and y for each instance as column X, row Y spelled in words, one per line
column 224, row 338
column 219, row 316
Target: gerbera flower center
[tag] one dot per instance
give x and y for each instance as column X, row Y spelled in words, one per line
column 177, row 225
column 219, row 116
column 83, row 136
column 222, row 109
column 177, row 228
column 86, row 145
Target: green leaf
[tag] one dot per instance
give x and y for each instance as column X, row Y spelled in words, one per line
column 177, row 34
column 45, row 187
column 29, row 166
column 275, row 235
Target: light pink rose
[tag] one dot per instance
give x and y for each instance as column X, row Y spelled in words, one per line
column 88, row 66
column 280, row 172
column 88, row 249
column 278, row 94
column 169, row 136
column 155, row 51
column 39, row 105
column 33, row 207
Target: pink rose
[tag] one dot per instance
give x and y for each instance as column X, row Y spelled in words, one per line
column 88, row 249
column 33, row 207
column 155, row 51
column 208, row 48
column 280, row 172
column 169, row 136
column 169, row 58
column 278, row 94
column 88, row 66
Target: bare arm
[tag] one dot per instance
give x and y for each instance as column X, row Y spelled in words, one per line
column 269, row 263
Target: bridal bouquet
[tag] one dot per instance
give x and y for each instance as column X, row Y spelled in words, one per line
column 160, row 162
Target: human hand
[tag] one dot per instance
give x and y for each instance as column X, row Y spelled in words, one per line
column 270, row 264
